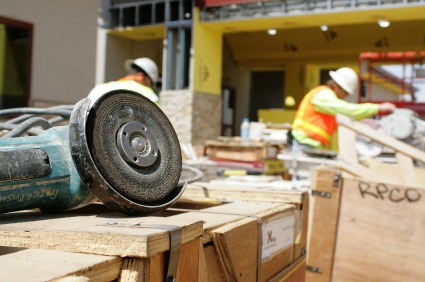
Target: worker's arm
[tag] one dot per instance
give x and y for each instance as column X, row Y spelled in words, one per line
column 327, row 102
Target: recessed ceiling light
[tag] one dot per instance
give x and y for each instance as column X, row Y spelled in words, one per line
column 383, row 23
column 271, row 31
column 324, row 27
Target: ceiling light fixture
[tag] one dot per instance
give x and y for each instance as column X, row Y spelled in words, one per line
column 271, row 32
column 383, row 23
column 324, row 27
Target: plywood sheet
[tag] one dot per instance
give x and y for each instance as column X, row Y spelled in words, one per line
column 323, row 223
column 105, row 234
column 380, row 232
column 47, row 265
column 244, row 192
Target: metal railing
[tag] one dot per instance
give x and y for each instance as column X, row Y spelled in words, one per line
column 131, row 13
column 267, row 8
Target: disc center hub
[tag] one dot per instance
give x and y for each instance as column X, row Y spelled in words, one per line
column 136, row 144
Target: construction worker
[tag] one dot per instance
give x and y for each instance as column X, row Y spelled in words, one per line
column 142, row 73
column 142, row 76
column 315, row 120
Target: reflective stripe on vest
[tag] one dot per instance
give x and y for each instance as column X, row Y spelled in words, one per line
column 324, row 125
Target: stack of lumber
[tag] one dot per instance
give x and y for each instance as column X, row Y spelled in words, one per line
column 98, row 245
column 245, row 154
column 239, row 237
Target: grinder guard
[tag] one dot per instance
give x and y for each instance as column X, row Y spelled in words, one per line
column 137, row 174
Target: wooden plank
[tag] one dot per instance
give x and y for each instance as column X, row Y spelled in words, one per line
column 214, row 217
column 357, row 169
column 244, row 192
column 382, row 138
column 346, row 141
column 348, row 157
column 188, row 268
column 105, row 234
column 238, row 254
column 301, row 231
column 323, row 223
column 48, row 265
column 215, row 273
column 349, row 161
column 293, row 273
column 133, row 269
column 407, row 169
column 203, row 269
column 272, row 249
column 155, row 267
column 393, row 173
column 211, row 220
column 380, row 232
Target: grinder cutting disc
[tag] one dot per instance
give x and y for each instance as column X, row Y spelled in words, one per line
column 126, row 151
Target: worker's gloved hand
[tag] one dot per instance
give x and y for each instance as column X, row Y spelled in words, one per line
column 386, row 107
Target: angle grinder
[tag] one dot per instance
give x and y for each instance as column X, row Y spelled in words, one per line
column 119, row 148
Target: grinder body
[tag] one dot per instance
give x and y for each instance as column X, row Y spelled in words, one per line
column 119, row 148
column 38, row 172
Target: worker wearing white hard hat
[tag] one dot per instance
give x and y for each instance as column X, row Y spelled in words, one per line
column 145, row 66
column 142, row 76
column 315, row 122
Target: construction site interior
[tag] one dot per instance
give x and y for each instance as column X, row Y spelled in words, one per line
column 99, row 183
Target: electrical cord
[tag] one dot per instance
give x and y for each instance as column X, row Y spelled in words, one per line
column 28, row 123
column 36, row 111
column 198, row 175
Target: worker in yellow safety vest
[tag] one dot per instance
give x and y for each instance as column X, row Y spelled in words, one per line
column 315, row 121
column 142, row 77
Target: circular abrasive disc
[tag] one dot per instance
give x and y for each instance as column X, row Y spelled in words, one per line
column 143, row 166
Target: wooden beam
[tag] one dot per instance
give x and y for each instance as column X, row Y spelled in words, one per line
column 379, row 137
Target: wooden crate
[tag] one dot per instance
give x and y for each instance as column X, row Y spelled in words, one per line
column 221, row 240
column 367, row 227
column 233, row 256
column 365, row 230
column 142, row 243
column 253, row 189
column 245, row 241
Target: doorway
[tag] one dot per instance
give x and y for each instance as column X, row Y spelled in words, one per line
column 15, row 62
column 267, row 91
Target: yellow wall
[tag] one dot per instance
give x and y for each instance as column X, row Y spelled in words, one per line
column 276, row 115
column 207, row 65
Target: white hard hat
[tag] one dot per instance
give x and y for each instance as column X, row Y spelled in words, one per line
column 147, row 65
column 346, row 78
